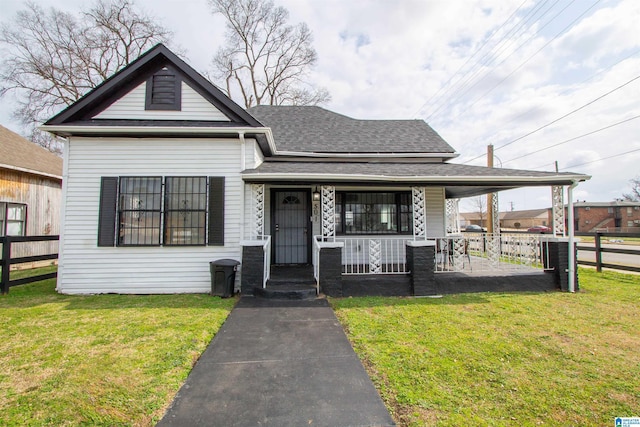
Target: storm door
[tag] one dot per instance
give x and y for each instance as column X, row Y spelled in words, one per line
column 290, row 227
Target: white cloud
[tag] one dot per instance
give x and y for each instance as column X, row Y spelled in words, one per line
column 382, row 59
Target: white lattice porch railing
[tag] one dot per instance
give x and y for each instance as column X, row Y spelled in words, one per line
column 374, row 254
column 482, row 252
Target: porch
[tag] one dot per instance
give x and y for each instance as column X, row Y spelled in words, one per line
column 386, row 266
column 397, row 262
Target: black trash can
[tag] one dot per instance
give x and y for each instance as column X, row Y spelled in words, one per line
column 223, row 277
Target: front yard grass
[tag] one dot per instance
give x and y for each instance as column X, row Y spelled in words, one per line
column 504, row 358
column 98, row 360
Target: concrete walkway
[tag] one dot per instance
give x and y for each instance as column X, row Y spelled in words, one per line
column 278, row 363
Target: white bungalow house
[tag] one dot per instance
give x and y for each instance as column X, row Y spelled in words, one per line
column 163, row 173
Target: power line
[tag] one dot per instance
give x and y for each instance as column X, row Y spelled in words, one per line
column 566, row 91
column 543, row 166
column 604, row 158
column 572, row 139
column 493, row 33
column 525, row 62
column 451, row 101
column 507, row 39
column 558, row 119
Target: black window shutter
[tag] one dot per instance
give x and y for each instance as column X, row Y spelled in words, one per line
column 107, row 213
column 216, row 210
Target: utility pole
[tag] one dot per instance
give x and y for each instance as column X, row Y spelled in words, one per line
column 490, row 212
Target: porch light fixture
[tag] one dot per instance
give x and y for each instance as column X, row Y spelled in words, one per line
column 316, row 195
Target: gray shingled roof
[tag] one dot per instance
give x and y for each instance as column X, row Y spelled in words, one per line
column 314, row 129
column 401, row 170
column 19, row 153
column 458, row 180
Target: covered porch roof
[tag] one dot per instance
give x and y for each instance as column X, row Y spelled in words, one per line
column 459, row 180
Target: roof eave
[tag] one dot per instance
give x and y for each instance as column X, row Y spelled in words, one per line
column 30, row 171
column 357, row 155
column 442, row 180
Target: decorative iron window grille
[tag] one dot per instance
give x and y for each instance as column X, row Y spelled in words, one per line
column 181, row 213
column 140, row 211
column 374, row 213
column 185, row 213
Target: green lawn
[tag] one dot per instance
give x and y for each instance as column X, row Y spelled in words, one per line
column 504, row 359
column 98, row 360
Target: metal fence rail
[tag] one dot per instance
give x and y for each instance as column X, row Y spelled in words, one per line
column 6, row 261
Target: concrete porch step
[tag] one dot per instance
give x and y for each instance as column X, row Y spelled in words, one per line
column 287, row 291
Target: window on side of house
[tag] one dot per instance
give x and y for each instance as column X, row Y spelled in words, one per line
column 629, row 211
column 185, row 210
column 154, row 211
column 139, row 211
column 13, row 219
column 374, row 213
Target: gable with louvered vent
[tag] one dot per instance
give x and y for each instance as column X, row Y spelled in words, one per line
column 164, row 91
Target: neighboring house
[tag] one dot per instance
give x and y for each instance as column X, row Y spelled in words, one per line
column 618, row 215
column 164, row 173
column 30, row 193
column 513, row 220
column 474, row 218
column 524, row 219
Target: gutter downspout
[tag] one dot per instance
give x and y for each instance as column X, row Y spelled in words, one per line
column 572, row 253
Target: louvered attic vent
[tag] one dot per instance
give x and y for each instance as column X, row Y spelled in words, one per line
column 163, row 91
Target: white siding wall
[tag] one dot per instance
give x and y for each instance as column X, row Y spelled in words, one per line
column 87, row 268
column 435, row 211
column 131, row 106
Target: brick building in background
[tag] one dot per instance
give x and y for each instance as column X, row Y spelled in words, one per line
column 619, row 216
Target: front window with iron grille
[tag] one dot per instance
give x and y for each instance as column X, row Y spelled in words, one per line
column 13, row 218
column 185, row 210
column 373, row 213
column 140, row 211
column 178, row 207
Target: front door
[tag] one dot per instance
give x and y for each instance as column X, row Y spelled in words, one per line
column 290, row 227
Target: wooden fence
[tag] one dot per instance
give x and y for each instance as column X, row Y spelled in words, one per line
column 6, row 261
column 598, row 249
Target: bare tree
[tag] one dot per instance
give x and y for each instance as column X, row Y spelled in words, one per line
column 52, row 57
column 265, row 59
column 479, row 206
column 634, row 195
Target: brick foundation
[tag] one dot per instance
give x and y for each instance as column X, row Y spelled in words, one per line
column 331, row 271
column 252, row 269
column 421, row 264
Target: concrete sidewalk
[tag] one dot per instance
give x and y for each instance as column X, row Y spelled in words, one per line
column 278, row 363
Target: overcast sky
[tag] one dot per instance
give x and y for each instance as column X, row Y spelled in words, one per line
column 479, row 72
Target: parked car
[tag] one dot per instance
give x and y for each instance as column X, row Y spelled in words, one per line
column 474, row 228
column 539, row 229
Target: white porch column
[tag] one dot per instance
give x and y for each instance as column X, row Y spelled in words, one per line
column 419, row 213
column 257, row 193
column 493, row 239
column 328, row 213
column 557, row 207
column 453, row 216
